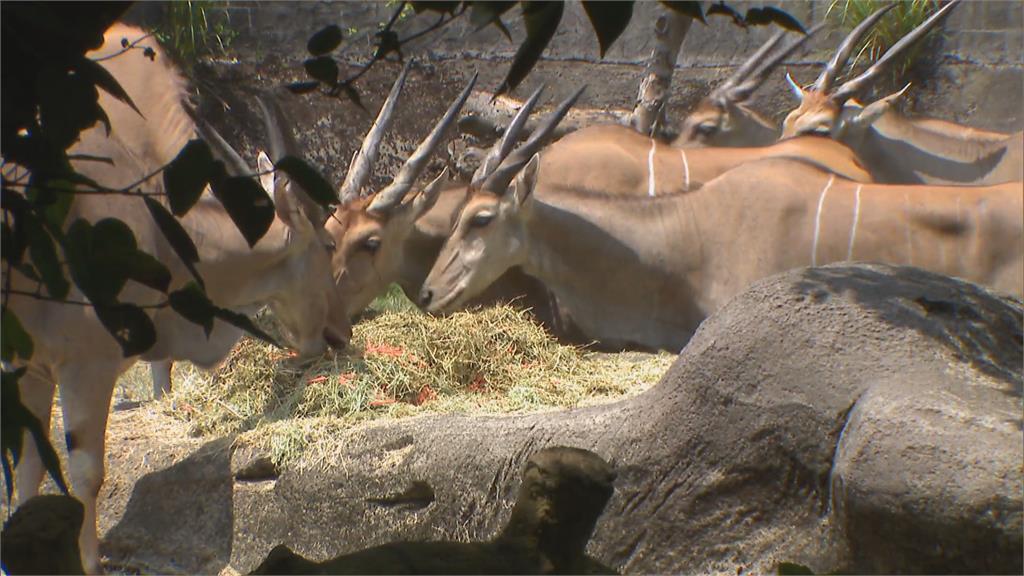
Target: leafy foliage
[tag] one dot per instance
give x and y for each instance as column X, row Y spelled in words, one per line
column 541, row 18
column 903, row 18
column 195, row 28
column 15, row 421
column 55, row 97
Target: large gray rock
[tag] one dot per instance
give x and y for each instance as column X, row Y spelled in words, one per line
column 858, row 418
column 41, row 537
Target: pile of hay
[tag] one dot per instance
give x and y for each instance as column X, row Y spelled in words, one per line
column 402, row 363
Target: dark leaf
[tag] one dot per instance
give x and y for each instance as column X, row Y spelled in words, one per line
column 15, row 239
column 95, row 270
column 248, row 205
column 770, row 15
column 541, row 18
column 245, row 323
column 387, row 42
column 149, row 53
column 16, row 419
column 303, row 87
column 723, row 9
column 7, row 465
column 609, row 19
column 12, row 250
column 193, row 305
column 187, row 175
column 147, row 270
column 324, row 69
column 691, row 8
column 43, row 253
column 55, row 197
column 129, row 325
column 176, row 236
column 309, row 179
column 14, row 340
column 438, row 6
column 353, row 95
column 105, row 80
column 486, row 13
column 324, row 41
column 68, row 104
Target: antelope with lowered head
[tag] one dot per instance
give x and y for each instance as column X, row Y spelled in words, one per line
column 644, row 272
column 385, row 237
column 894, row 148
column 288, row 269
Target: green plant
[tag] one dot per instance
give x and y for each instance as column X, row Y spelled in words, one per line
column 906, row 16
column 196, row 28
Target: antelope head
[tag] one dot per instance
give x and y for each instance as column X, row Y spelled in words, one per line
column 306, row 302
column 369, row 231
column 489, row 234
column 824, row 108
column 722, row 118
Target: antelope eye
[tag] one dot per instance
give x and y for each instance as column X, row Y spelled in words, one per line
column 371, row 244
column 481, row 219
column 707, row 129
column 331, row 245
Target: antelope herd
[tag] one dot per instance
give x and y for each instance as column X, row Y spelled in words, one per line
column 609, row 236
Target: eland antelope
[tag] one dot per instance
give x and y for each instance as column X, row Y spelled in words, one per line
column 383, row 242
column 723, row 117
column 894, row 148
column 644, row 272
column 288, row 269
column 384, row 238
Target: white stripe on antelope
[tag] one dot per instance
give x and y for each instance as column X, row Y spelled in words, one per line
column 289, row 269
column 896, row 149
column 645, row 272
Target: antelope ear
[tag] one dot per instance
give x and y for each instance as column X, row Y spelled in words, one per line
column 286, row 205
column 426, row 199
column 877, row 109
column 526, row 181
column 797, row 90
column 266, row 169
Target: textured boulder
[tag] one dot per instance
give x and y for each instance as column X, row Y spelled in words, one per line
column 41, row 537
column 858, row 418
column 564, row 491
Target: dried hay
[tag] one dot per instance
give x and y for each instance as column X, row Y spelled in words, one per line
column 401, row 363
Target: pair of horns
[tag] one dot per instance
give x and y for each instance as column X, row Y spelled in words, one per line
column 851, row 87
column 502, row 164
column 753, row 72
column 361, row 166
column 281, row 143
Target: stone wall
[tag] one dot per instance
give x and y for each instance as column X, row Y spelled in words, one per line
column 973, row 74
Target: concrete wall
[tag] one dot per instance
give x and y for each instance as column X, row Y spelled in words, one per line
column 974, row 73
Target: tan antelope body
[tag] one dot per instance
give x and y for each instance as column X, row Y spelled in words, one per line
column 895, row 149
column 601, row 159
column 646, row 271
column 618, row 160
column 289, row 269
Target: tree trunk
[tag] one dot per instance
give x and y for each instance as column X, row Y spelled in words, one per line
column 651, row 102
